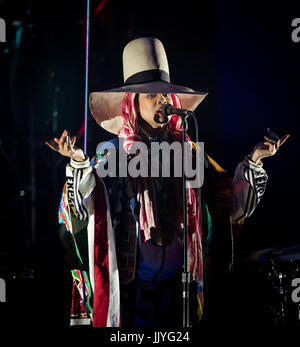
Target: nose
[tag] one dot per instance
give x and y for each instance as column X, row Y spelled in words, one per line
column 163, row 99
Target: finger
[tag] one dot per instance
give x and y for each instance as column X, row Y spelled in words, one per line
column 268, row 145
column 51, row 146
column 66, row 146
column 63, row 137
column 52, row 143
column 271, row 147
column 56, row 140
column 73, row 140
column 283, row 139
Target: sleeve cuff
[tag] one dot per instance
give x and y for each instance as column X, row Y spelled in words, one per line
column 249, row 163
column 80, row 164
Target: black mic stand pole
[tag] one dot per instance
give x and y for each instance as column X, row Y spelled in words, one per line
column 185, row 274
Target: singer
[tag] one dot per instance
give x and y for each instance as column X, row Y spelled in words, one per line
column 125, row 232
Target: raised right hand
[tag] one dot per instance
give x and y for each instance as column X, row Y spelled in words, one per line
column 66, row 148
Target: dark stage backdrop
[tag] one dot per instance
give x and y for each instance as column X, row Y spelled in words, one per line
column 241, row 53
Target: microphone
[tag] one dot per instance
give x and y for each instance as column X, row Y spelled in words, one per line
column 168, row 110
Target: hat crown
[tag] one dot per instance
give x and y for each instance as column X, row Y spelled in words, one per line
column 143, row 55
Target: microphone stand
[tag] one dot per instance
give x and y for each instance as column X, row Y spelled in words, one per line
column 185, row 274
column 186, row 278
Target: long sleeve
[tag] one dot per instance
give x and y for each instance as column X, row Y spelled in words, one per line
column 249, row 184
column 81, row 182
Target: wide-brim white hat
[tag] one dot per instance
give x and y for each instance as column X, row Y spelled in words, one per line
column 145, row 70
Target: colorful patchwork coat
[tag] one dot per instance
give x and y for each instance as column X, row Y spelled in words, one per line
column 89, row 218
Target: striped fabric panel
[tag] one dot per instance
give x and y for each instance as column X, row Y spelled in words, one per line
column 257, row 185
column 77, row 197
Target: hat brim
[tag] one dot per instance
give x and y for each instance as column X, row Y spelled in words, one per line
column 106, row 106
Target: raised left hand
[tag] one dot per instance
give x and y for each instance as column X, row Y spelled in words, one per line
column 266, row 149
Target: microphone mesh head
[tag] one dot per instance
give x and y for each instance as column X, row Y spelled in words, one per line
column 166, row 110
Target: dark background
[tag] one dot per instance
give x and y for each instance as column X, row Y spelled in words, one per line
column 241, row 53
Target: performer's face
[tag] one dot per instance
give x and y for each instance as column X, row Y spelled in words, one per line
column 148, row 106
